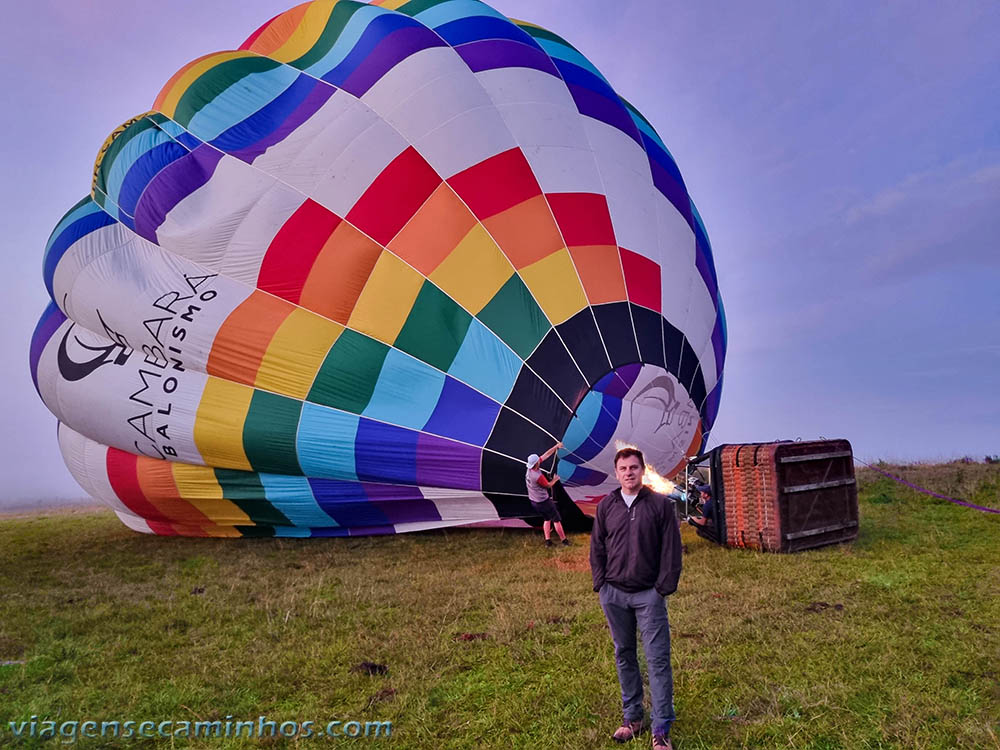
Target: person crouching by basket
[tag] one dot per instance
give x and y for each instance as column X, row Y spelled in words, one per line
column 538, row 493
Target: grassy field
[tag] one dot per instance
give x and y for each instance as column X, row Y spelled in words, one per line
column 487, row 639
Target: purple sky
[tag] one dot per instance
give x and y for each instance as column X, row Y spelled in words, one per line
column 845, row 158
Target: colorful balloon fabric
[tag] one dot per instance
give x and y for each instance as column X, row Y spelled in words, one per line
column 344, row 279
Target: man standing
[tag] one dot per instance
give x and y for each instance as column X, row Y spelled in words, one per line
column 635, row 560
column 538, row 493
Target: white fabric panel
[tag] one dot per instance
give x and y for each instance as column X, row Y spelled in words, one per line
column 316, row 149
column 463, row 141
column 701, row 316
column 202, row 226
column 708, row 365
column 134, row 522
column 256, row 230
column 676, row 252
column 541, row 115
column 624, row 170
column 87, row 462
column 152, row 290
column 122, row 397
column 413, row 73
column 671, row 405
column 360, row 159
column 461, row 506
column 302, row 158
column 79, row 254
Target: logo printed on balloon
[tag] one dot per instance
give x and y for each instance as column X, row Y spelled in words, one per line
column 74, row 370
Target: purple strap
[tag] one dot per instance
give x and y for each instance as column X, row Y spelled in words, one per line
column 927, row 492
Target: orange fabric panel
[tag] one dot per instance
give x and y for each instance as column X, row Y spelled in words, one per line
column 525, row 232
column 242, row 340
column 279, row 30
column 600, row 271
column 434, row 231
column 340, row 273
column 156, row 478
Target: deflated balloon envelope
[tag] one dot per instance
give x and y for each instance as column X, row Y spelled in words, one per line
column 345, row 278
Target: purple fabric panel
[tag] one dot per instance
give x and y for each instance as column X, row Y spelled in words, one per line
column 401, row 503
column 701, row 263
column 592, row 104
column 505, row 53
column 392, row 50
column 174, row 183
column 445, row 463
column 718, row 345
column 316, row 99
column 626, row 379
column 48, row 324
column 673, row 191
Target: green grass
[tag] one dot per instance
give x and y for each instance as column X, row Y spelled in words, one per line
column 491, row 640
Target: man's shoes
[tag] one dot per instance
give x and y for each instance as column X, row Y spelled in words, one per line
column 627, row 731
column 565, row 542
column 662, row 742
column 548, row 543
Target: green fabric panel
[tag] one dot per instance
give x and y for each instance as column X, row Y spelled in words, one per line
column 269, row 433
column 418, row 6
column 538, row 33
column 435, row 328
column 256, row 532
column 243, row 489
column 115, row 148
column 341, row 14
column 349, row 373
column 515, row 317
column 213, row 82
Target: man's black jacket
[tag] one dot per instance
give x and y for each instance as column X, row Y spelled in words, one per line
column 636, row 548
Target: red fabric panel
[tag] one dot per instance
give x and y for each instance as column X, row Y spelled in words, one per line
column 583, row 218
column 642, row 279
column 394, row 197
column 124, row 480
column 293, row 250
column 496, row 184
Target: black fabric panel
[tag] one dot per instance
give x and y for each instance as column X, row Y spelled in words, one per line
column 673, row 341
column 502, row 474
column 515, row 507
column 516, row 436
column 532, row 397
column 584, row 342
column 689, row 363
column 616, row 330
column 554, row 365
column 649, row 332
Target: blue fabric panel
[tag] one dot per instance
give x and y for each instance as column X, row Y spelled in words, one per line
column 84, row 207
column 384, row 453
column 118, row 171
column 442, row 13
column 407, row 391
column 377, row 30
column 607, row 421
column 474, row 29
column 486, row 363
column 267, row 119
column 325, row 442
column 292, row 532
column 583, row 422
column 463, row 414
column 294, row 498
column 75, row 231
column 347, row 502
column 349, row 37
column 240, row 100
column 143, row 171
column 561, row 52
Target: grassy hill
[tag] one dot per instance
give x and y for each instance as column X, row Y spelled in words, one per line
column 484, row 638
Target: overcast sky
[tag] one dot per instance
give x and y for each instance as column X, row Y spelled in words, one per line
column 844, row 156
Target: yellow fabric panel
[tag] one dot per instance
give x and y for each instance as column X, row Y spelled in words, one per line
column 390, row 4
column 555, row 286
column 307, row 33
column 168, row 99
column 387, row 299
column 218, row 427
column 474, row 271
column 296, row 352
column 198, row 485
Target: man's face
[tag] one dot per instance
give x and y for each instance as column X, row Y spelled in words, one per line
column 628, row 471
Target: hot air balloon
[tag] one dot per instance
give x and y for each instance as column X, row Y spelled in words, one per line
column 345, row 278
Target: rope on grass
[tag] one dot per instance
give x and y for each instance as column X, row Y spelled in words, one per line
column 928, row 492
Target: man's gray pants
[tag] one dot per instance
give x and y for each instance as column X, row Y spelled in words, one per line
column 648, row 610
